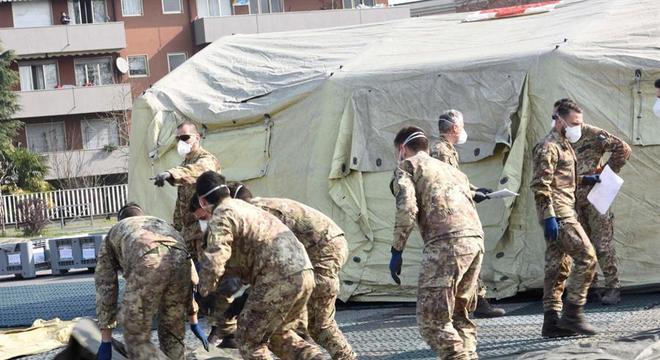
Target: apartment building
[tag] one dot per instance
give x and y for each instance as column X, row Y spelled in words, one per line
column 81, row 62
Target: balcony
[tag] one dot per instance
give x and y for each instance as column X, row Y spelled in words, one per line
column 74, row 100
column 209, row 29
column 64, row 39
column 82, row 163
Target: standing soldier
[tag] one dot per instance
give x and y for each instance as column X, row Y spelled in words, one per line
column 589, row 149
column 452, row 132
column 155, row 263
column 553, row 184
column 269, row 257
column 438, row 196
column 327, row 250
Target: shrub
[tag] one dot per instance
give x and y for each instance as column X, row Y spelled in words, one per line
column 32, row 212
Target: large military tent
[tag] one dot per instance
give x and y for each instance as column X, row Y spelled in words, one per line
column 311, row 115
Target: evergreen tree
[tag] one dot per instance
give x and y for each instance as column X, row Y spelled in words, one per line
column 8, row 100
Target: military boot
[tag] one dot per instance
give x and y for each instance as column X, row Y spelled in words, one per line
column 611, row 297
column 550, row 328
column 228, row 342
column 573, row 319
column 594, row 295
column 486, row 310
column 214, row 337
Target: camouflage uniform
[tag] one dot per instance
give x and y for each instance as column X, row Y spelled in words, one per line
column 553, row 184
column 589, row 150
column 152, row 256
column 327, row 250
column 267, row 255
column 438, row 197
column 445, row 151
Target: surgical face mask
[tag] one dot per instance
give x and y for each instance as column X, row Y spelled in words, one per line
column 573, row 133
column 553, row 123
column 656, row 107
column 183, row 148
column 203, row 225
column 462, row 138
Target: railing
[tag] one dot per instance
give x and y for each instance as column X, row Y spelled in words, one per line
column 73, row 203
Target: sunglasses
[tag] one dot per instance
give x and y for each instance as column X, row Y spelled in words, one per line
column 183, row 137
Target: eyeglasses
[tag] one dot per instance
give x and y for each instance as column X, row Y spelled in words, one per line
column 183, row 137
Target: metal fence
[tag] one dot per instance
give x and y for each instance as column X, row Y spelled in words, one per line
column 72, row 203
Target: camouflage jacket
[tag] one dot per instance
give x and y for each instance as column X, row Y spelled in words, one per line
column 554, row 177
column 122, row 249
column 445, row 151
column 312, row 228
column 184, row 177
column 437, row 196
column 591, row 148
column 258, row 244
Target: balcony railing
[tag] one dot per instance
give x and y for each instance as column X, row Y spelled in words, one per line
column 209, row 29
column 64, row 39
column 74, row 100
column 71, row 164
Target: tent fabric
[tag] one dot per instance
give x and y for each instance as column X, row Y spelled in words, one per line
column 311, row 115
column 51, row 334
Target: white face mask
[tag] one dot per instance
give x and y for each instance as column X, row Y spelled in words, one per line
column 203, row 225
column 462, row 138
column 656, row 107
column 573, row 133
column 552, row 125
column 183, row 148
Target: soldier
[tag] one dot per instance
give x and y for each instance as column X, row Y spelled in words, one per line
column 438, row 196
column 327, row 250
column 156, row 266
column 452, row 131
column 269, row 257
column 554, row 182
column 589, row 149
column 656, row 104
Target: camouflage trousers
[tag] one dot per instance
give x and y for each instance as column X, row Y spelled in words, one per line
column 447, row 291
column 161, row 286
column 600, row 229
column 275, row 309
column 321, row 305
column 213, row 307
column 574, row 244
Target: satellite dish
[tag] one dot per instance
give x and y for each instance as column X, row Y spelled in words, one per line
column 122, row 65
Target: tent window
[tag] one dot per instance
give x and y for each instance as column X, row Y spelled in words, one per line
column 646, row 126
column 47, row 137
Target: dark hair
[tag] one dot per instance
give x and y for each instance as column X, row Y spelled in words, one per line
column 657, row 83
column 188, row 122
column 129, row 210
column 447, row 120
column 565, row 108
column 418, row 144
column 238, row 190
column 209, row 180
column 194, row 203
column 561, row 101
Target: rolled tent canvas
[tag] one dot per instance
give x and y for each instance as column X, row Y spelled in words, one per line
column 311, row 115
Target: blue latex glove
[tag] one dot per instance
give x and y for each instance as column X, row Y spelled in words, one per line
column 551, row 228
column 395, row 265
column 199, row 333
column 590, row 179
column 105, row 351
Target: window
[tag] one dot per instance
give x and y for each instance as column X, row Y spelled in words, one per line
column 171, row 6
column 39, row 76
column 349, row 4
column 175, row 59
column 206, row 8
column 131, row 7
column 32, row 13
column 94, row 72
column 87, row 11
column 270, row 6
column 98, row 133
column 45, row 137
column 138, row 66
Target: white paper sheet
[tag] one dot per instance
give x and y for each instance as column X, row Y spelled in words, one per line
column 88, row 252
column 14, row 259
column 38, row 255
column 603, row 193
column 66, row 253
column 500, row 194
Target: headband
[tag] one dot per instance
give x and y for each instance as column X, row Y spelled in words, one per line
column 212, row 190
column 237, row 190
column 413, row 136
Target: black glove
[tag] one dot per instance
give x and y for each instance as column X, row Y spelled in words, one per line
column 159, row 180
column 484, row 191
column 590, row 179
column 479, row 197
column 236, row 306
column 230, row 286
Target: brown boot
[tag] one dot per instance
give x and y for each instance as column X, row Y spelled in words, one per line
column 573, row 319
column 486, row 310
column 550, row 328
column 611, row 297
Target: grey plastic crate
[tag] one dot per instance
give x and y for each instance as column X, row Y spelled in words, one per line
column 24, row 259
column 74, row 252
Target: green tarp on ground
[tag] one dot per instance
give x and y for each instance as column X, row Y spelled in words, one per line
column 311, row 115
